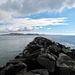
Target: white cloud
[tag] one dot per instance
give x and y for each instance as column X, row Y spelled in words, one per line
column 40, row 27
column 49, row 28
column 48, row 33
column 28, row 24
column 15, row 28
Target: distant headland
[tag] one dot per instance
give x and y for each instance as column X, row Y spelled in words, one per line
column 17, row 34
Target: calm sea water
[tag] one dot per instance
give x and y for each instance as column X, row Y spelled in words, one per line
column 10, row 46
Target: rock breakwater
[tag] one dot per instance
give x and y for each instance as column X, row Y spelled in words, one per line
column 42, row 57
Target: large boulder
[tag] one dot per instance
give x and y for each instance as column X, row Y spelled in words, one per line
column 34, row 72
column 72, row 54
column 47, row 63
column 65, row 61
column 13, row 70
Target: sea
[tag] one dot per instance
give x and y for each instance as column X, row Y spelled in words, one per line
column 10, row 46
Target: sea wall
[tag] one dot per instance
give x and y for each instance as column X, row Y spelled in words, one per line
column 42, row 57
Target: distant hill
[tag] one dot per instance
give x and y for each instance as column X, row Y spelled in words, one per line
column 17, row 34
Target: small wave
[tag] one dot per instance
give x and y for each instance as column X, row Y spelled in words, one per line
column 68, row 44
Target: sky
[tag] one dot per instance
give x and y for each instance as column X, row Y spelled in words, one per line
column 54, row 17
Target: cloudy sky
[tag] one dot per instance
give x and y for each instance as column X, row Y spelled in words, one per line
column 37, row 16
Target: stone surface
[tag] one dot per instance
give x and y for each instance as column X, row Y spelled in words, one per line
column 65, row 61
column 65, row 71
column 48, row 64
column 34, row 72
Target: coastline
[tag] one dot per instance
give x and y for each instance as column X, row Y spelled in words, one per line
column 17, row 34
column 38, row 52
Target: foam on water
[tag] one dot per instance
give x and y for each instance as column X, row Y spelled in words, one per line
column 68, row 44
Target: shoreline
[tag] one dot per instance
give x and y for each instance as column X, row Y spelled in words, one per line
column 37, row 54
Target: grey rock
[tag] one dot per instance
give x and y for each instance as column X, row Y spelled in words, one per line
column 3, row 71
column 72, row 54
column 34, row 72
column 13, row 70
column 16, row 61
column 65, row 71
column 65, row 61
column 48, row 64
column 43, row 41
column 40, row 72
column 66, row 50
column 33, row 48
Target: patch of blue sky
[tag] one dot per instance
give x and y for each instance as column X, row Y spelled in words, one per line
column 5, row 23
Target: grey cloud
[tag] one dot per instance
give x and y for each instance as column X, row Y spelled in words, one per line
column 10, row 6
column 26, row 7
column 4, row 15
column 71, row 3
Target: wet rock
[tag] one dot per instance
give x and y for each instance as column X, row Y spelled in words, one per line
column 1, row 68
column 72, row 54
column 34, row 72
column 65, row 71
column 4, row 71
column 19, row 56
column 25, row 53
column 16, row 61
column 47, row 55
column 54, row 56
column 13, row 70
column 51, row 57
column 40, row 72
column 65, row 61
column 61, row 46
column 43, row 41
column 32, row 48
column 32, row 64
column 47, row 63
column 25, row 72
column 33, row 55
column 66, row 50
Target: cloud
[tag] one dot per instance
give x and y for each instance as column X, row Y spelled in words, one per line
column 40, row 27
column 13, row 28
column 70, row 3
column 3, row 1
column 28, row 24
column 4, row 16
column 28, row 7
column 49, row 28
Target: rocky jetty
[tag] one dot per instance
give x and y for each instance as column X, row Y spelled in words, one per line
column 42, row 57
